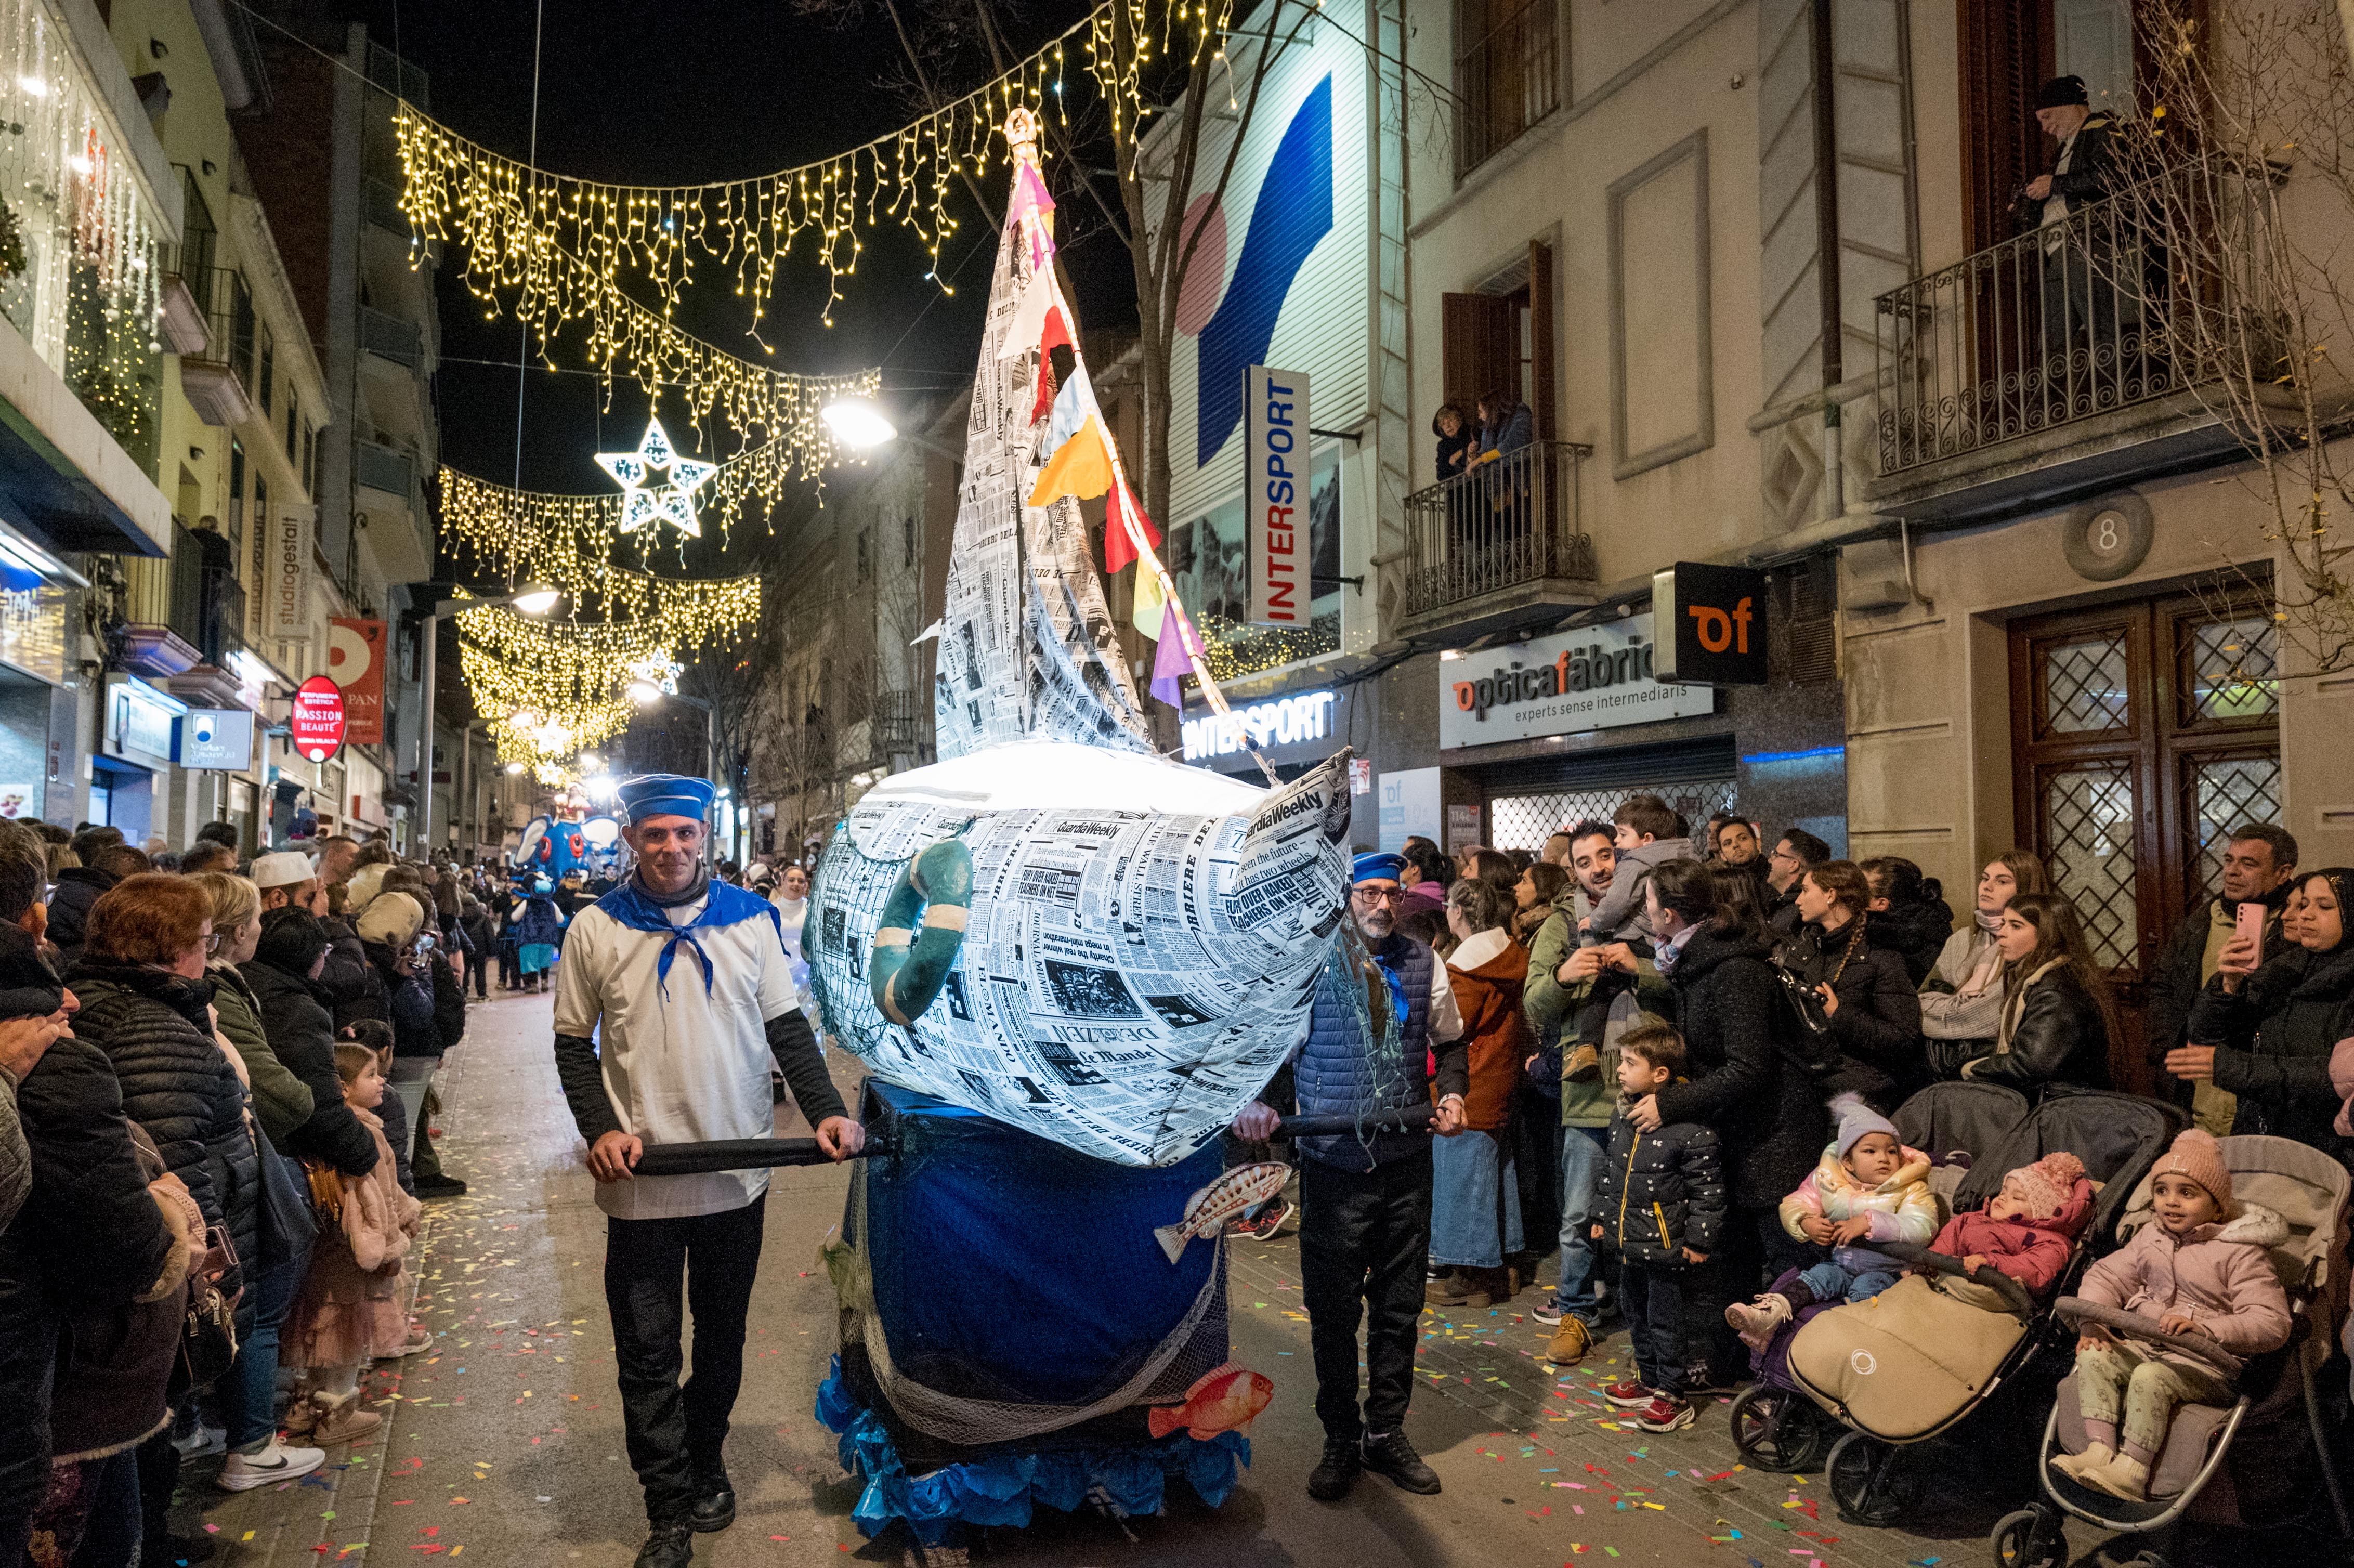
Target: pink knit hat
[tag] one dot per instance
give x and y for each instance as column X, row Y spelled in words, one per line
column 2045, row 1187
column 2198, row 1157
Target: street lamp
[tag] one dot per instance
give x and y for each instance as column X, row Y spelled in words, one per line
column 858, row 423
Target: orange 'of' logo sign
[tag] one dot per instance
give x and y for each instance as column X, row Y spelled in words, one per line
column 1719, row 630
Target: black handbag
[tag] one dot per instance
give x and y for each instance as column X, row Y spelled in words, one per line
column 208, row 1332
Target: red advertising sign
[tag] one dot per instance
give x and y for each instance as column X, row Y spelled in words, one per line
column 318, row 718
column 355, row 662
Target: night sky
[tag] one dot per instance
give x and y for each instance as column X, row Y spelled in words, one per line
column 687, row 92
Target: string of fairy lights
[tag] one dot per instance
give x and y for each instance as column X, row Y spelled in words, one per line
column 568, row 257
column 554, row 249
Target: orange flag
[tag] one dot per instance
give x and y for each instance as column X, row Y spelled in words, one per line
column 1081, row 467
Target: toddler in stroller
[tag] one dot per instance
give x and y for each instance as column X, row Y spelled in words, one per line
column 2202, row 1267
column 2230, row 1430
column 1868, row 1187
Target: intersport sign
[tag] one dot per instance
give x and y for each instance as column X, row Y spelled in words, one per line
column 1594, row 678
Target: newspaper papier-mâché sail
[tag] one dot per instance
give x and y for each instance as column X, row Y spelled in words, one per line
column 1115, row 951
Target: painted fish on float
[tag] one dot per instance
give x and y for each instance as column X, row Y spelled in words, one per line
column 1227, row 1400
column 1244, row 1187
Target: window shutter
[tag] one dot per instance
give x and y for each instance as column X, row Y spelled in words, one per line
column 1475, row 347
column 1540, row 390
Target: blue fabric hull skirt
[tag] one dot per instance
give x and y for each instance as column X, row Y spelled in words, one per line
column 1475, row 1201
column 1003, row 1487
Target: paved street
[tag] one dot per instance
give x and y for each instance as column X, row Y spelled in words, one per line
column 505, row 1446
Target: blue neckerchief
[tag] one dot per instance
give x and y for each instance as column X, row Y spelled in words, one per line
column 727, row 905
column 1397, row 984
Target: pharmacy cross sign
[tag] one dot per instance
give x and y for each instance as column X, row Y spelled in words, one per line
column 657, row 484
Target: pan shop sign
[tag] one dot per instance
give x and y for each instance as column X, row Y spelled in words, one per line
column 1594, row 678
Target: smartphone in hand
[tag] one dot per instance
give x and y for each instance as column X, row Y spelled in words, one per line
column 2252, row 917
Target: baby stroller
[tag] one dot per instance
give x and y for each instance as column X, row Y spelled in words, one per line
column 1919, row 1358
column 1774, row 1426
column 2255, row 1463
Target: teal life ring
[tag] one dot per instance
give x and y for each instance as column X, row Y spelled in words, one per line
column 922, row 926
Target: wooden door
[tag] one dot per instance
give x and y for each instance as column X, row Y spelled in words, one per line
column 2142, row 733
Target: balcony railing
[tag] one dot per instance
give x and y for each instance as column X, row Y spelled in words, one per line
column 1507, row 76
column 387, row 469
column 389, row 337
column 2120, row 303
column 902, row 720
column 1507, row 522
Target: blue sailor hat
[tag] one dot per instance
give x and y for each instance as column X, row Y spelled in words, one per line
column 665, row 795
column 1377, row 865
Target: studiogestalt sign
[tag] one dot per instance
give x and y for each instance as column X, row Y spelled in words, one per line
column 1595, row 678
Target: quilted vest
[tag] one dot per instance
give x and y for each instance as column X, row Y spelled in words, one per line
column 1334, row 1075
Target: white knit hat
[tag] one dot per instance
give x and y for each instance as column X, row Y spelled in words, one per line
column 283, row 869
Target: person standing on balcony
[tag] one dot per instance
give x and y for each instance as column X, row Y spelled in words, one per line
column 2079, row 260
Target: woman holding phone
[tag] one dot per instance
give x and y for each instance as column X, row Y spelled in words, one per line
column 2266, row 1033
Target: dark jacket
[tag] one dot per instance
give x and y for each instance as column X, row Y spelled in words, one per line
column 295, row 1015
column 1657, row 1193
column 1766, row 1109
column 178, row 1085
column 2180, row 974
column 78, row 888
column 2057, row 1035
column 1916, row 932
column 90, row 1241
column 28, row 989
column 349, row 981
column 2090, row 176
column 449, row 1003
column 413, row 1003
column 2274, row 1039
column 1463, row 442
column 1878, row 1022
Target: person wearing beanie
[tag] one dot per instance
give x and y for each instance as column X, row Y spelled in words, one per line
column 2080, row 293
column 2027, row 1230
column 2202, row 1264
column 1868, row 1187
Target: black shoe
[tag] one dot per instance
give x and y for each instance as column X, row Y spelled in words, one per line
column 714, row 1502
column 1395, row 1457
column 1336, row 1473
column 671, row 1545
column 177, row 1550
column 439, row 1187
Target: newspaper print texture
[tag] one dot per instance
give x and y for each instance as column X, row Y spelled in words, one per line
column 1027, row 642
column 1129, row 980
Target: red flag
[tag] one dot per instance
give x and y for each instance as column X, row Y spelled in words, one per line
column 1119, row 549
column 1058, row 331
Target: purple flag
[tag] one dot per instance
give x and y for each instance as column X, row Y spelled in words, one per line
column 1172, row 661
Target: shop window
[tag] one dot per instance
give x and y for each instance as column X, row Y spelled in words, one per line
column 2142, row 734
column 1209, row 560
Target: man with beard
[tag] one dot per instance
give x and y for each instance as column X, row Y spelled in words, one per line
column 686, row 982
column 1561, row 979
column 1365, row 1232
column 2259, row 865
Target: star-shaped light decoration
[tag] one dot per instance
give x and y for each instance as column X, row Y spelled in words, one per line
column 657, row 484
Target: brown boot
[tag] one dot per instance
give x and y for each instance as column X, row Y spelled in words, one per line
column 1451, row 1289
column 342, row 1420
column 1571, row 1341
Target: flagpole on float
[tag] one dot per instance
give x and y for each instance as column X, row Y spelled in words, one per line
column 1022, row 137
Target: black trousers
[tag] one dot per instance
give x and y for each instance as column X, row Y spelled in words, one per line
column 1365, row 1240
column 674, row 1434
column 1651, row 1297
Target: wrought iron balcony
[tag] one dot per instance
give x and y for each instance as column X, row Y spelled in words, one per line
column 2123, row 304
column 1501, row 544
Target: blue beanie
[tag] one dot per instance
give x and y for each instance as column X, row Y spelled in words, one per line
column 1376, row 864
column 1858, row 1121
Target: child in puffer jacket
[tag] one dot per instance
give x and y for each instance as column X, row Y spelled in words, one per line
column 1660, row 1204
column 2027, row 1229
column 1869, row 1187
column 2202, row 1267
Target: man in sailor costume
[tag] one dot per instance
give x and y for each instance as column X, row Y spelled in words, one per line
column 685, row 984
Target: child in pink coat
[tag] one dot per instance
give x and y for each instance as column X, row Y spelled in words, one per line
column 352, row 1306
column 2026, row 1229
column 2202, row 1267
